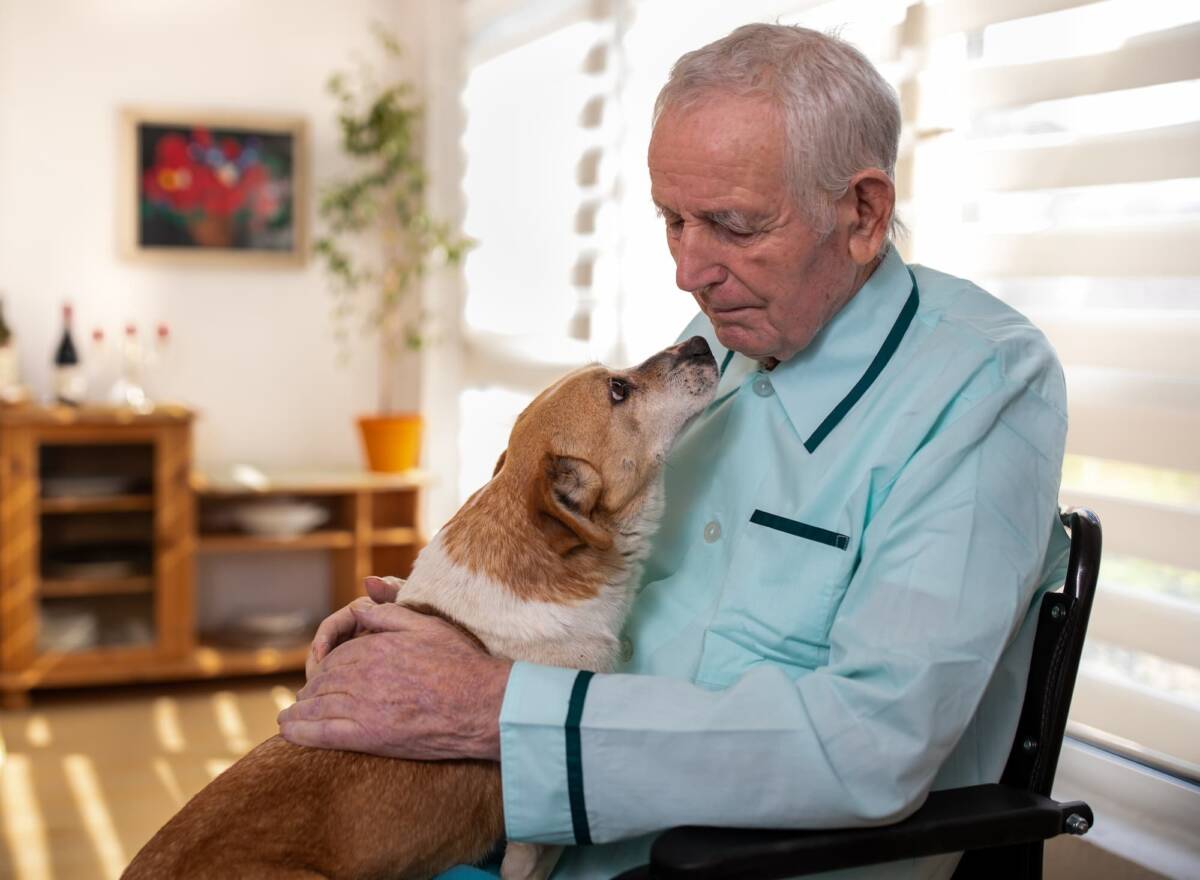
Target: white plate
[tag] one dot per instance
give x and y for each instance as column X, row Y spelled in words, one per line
column 89, row 487
column 280, row 519
column 100, row 569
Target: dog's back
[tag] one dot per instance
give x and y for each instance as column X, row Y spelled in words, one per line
column 235, row 823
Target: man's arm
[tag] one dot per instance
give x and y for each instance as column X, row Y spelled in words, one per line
column 951, row 562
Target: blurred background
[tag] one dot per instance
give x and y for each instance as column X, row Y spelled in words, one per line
column 1051, row 153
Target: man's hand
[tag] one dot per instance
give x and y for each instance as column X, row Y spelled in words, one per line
column 413, row 686
column 343, row 624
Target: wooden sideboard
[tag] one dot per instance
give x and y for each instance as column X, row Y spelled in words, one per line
column 101, row 521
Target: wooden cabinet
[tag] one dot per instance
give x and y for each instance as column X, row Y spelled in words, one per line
column 101, row 522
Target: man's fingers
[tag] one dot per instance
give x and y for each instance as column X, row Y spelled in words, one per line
column 383, row 589
column 333, row 678
column 318, row 706
column 333, row 733
column 386, row 618
column 335, row 629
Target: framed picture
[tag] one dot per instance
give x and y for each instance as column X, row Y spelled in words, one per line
column 213, row 188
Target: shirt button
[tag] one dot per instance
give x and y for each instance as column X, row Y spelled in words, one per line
column 626, row 649
column 712, row 532
column 762, row 387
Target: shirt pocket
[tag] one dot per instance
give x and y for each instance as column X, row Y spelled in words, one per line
column 783, row 588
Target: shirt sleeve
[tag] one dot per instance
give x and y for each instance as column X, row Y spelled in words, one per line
column 950, row 563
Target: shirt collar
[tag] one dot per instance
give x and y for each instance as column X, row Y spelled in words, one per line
column 822, row 383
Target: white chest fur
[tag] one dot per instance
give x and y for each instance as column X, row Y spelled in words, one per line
column 579, row 634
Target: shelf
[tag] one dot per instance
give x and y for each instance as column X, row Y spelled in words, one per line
column 93, row 415
column 329, row 539
column 97, row 504
column 65, row 588
column 213, row 661
column 400, row 536
column 244, row 481
column 126, row 664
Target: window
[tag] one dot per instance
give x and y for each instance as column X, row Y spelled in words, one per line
column 1058, row 163
column 1051, row 152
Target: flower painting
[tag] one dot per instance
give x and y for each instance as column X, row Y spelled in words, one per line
column 216, row 187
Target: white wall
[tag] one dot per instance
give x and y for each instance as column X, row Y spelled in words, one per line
column 253, row 351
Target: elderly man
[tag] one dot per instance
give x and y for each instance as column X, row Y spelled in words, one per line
column 837, row 615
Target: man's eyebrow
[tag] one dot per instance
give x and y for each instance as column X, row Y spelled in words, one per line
column 733, row 219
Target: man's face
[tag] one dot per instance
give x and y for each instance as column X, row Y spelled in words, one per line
column 764, row 277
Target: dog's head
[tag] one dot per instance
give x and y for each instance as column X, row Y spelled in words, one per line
column 587, row 447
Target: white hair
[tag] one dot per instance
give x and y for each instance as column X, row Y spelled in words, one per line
column 839, row 115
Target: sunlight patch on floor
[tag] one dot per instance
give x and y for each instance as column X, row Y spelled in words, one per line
column 166, row 775
column 166, row 723
column 217, row 766
column 37, row 731
column 93, row 808
column 282, row 696
column 21, row 817
column 230, row 722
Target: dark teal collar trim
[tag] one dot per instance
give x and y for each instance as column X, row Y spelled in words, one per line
column 579, row 820
column 890, row 344
column 725, row 363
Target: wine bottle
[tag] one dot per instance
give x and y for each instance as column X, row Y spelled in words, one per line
column 69, row 381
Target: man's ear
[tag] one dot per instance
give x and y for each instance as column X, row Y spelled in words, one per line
column 871, row 202
column 563, row 502
column 499, row 463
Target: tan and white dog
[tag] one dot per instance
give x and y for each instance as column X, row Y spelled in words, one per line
column 540, row 564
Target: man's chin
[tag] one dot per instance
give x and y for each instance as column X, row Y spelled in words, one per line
column 741, row 339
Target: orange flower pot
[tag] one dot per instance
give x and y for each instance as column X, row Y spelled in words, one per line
column 391, row 443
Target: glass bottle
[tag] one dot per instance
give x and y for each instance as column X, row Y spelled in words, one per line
column 128, row 390
column 69, row 381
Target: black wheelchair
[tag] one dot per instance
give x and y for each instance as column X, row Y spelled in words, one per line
column 999, row 828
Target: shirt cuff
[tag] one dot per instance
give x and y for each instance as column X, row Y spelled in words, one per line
column 537, row 767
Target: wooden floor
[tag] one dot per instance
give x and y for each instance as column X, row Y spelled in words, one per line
column 89, row 776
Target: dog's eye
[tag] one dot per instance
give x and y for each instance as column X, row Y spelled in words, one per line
column 617, row 389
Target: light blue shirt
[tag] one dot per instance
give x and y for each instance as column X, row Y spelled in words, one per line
column 837, row 613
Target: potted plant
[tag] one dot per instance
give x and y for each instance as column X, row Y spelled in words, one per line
column 380, row 242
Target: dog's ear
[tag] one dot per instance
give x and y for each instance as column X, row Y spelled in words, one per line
column 564, row 502
column 499, row 463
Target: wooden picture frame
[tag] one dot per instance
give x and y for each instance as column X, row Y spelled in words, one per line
column 212, row 188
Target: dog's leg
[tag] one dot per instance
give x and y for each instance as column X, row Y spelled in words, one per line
column 529, row 861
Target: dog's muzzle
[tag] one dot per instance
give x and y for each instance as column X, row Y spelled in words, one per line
column 694, row 349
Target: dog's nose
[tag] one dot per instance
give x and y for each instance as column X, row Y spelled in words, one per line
column 696, row 347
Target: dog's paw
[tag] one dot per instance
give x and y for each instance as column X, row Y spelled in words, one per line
column 528, row 861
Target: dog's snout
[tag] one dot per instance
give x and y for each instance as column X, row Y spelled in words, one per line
column 695, row 348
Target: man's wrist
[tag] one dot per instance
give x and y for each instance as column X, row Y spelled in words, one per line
column 492, row 686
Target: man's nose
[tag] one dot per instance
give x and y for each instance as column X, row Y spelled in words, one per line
column 696, row 263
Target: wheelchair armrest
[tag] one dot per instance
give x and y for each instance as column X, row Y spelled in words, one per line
column 950, row 821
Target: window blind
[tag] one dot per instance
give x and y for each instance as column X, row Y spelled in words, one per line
column 1051, row 152
column 1057, row 162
